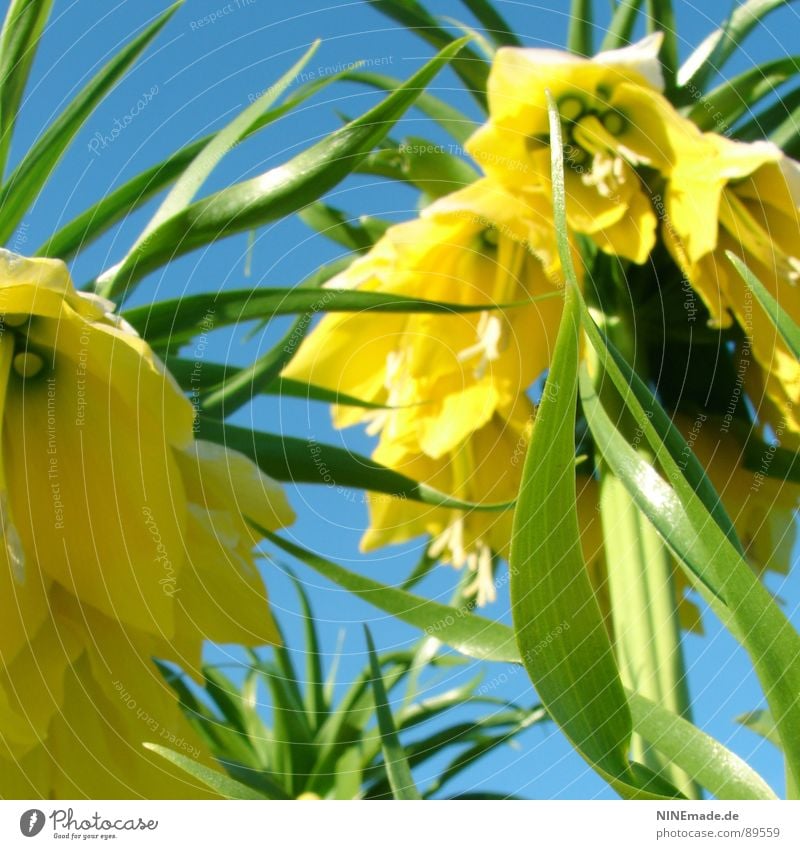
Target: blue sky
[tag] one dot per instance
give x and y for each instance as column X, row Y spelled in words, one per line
column 199, row 73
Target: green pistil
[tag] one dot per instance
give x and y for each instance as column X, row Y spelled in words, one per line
column 28, row 364
column 571, row 108
column 489, row 238
column 615, row 122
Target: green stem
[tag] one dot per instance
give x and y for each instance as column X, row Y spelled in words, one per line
column 644, row 605
column 645, row 617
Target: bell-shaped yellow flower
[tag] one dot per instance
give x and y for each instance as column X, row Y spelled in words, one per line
column 743, row 198
column 442, row 376
column 451, row 385
column 615, row 121
column 123, row 539
column 484, row 467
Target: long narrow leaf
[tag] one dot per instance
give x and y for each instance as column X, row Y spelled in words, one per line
column 177, row 320
column 620, row 29
column 24, row 22
column 790, row 332
column 710, row 560
column 115, row 205
column 579, row 36
column 277, row 193
column 469, row 634
column 27, row 179
column 710, row 763
column 493, row 22
column 722, row 107
column 296, row 460
column 222, row 784
column 718, row 47
column 450, row 119
column 394, row 758
column 470, row 67
column 190, row 181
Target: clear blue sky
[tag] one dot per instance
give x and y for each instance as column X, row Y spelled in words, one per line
column 198, row 76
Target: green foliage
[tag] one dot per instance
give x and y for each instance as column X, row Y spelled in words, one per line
column 342, row 748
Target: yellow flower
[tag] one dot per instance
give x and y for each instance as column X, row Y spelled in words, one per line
column 744, row 198
column 484, row 467
column 615, row 121
column 452, row 385
column 448, row 373
column 124, row 540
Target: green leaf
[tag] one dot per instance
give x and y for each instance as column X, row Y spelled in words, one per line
column 761, row 722
column 780, row 122
column 316, row 704
column 222, row 784
column 620, row 29
column 718, row 47
column 559, row 626
column 493, row 22
column 721, row 108
column 27, row 179
column 295, row 460
column 178, row 320
column 340, row 228
column 244, row 384
column 469, row 634
column 277, row 193
column 114, row 206
column 397, row 769
column 191, row 180
column 558, row 623
column 710, row 763
column 450, row 119
column 661, row 18
column 707, row 555
column 194, row 379
column 469, row 66
column 24, row 22
column 425, row 165
column 579, row 36
column 790, row 332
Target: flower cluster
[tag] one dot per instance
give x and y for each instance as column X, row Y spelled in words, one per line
column 124, row 540
column 645, row 188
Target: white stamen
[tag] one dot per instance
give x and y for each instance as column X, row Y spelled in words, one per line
column 491, row 342
column 607, row 175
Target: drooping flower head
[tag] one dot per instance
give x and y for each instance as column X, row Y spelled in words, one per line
column 124, row 539
column 742, row 198
column 615, row 122
column 452, row 385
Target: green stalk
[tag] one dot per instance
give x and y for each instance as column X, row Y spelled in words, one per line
column 644, row 606
column 645, row 617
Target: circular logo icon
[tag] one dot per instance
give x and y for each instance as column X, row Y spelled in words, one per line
column 31, row 822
